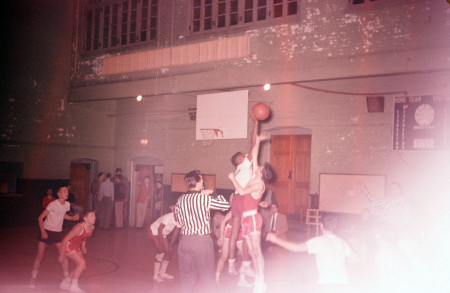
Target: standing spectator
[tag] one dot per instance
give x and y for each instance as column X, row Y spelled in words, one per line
column 143, row 198
column 158, row 199
column 95, row 190
column 48, row 198
column 107, row 196
column 119, row 200
column 125, row 181
column 196, row 248
column 51, row 227
column 74, row 208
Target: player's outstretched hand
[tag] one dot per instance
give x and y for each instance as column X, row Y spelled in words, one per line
column 231, row 176
column 264, row 136
column 263, row 204
column 271, row 237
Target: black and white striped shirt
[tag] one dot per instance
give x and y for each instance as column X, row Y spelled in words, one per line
column 396, row 211
column 192, row 212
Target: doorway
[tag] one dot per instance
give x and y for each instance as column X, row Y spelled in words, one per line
column 290, row 156
column 142, row 167
column 82, row 173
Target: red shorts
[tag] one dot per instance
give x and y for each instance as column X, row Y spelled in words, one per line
column 251, row 224
column 70, row 248
column 228, row 230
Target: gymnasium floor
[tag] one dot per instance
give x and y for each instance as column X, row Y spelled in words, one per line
column 120, row 261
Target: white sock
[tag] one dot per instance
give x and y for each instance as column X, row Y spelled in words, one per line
column 157, row 267
column 164, row 265
column 159, row 257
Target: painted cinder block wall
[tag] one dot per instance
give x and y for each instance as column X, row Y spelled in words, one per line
column 387, row 46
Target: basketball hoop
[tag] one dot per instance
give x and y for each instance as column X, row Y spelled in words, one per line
column 209, row 134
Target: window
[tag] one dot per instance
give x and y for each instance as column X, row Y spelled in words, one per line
column 120, row 23
column 361, row 1
column 210, row 15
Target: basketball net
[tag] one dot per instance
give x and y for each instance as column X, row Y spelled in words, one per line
column 208, row 135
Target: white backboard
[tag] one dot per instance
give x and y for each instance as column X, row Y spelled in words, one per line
column 225, row 111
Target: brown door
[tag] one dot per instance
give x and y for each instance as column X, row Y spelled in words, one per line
column 141, row 173
column 290, row 155
column 79, row 180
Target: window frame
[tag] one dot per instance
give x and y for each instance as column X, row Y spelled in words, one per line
column 248, row 14
column 109, row 25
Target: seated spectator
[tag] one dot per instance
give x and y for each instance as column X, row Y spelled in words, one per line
column 277, row 223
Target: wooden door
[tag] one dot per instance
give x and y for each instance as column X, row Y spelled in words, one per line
column 290, row 155
column 79, row 180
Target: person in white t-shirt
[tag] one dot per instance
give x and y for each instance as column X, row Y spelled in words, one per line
column 331, row 253
column 243, row 174
column 51, row 230
column 158, row 231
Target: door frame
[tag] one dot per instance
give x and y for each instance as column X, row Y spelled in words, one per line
column 93, row 170
column 286, row 130
column 132, row 164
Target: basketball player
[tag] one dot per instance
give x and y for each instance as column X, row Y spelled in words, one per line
column 73, row 246
column 51, row 230
column 243, row 173
column 251, row 222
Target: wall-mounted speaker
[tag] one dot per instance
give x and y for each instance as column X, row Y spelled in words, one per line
column 375, row 104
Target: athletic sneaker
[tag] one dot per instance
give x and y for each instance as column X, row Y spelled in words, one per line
column 75, row 289
column 167, row 276
column 65, row 284
column 232, row 269
column 245, row 283
column 260, row 288
column 157, row 279
column 247, row 270
column 32, row 284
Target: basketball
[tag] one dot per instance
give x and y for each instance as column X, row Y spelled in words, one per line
column 261, row 111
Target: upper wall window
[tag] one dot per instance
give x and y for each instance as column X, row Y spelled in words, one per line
column 361, row 1
column 209, row 15
column 120, row 23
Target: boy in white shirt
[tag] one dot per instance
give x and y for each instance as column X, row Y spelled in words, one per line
column 51, row 231
column 158, row 232
column 331, row 252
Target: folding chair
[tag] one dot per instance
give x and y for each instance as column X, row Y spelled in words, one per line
column 312, row 220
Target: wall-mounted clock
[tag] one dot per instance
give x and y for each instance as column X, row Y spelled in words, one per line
column 424, row 115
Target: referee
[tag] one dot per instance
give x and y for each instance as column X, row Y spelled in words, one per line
column 196, row 249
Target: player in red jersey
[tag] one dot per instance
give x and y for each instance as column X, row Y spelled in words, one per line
column 73, row 247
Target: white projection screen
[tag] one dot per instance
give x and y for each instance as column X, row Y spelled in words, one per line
column 342, row 193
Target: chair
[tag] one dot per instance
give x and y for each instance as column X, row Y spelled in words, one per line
column 312, row 221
